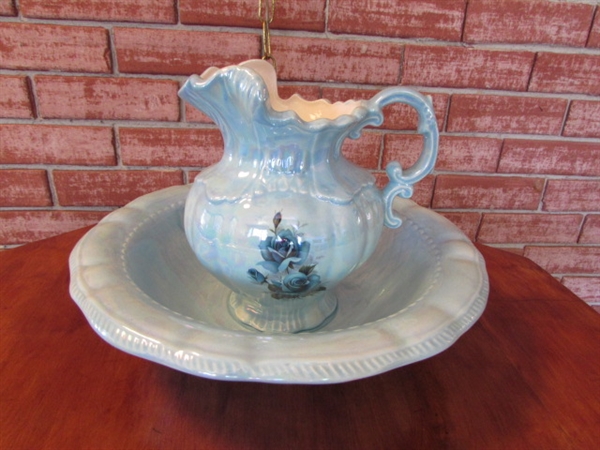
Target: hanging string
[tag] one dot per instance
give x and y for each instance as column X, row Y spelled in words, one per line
column 266, row 13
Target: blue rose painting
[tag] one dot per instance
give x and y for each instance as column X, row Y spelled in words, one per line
column 285, row 258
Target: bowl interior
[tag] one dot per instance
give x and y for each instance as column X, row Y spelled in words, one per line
column 159, row 261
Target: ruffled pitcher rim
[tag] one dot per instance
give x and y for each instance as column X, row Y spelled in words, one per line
column 311, row 114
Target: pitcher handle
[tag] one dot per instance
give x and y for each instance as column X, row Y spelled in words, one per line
column 402, row 180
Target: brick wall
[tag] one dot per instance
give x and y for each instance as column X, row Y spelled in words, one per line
column 90, row 119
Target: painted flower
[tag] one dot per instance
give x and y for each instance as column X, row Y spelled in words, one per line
column 284, row 255
column 299, row 283
column 257, row 276
column 283, row 251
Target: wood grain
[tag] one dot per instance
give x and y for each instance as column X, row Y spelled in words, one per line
column 525, row 376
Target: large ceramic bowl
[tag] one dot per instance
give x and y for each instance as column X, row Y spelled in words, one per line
column 142, row 289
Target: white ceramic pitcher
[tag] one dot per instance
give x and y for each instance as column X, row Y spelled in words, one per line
column 284, row 216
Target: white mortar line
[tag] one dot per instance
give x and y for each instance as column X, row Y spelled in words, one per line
column 437, row 210
column 123, row 123
column 334, row 85
column 113, row 52
column 31, row 93
column 581, row 227
column 155, row 124
column 325, row 35
column 587, row 41
column 516, row 211
column 116, row 168
column 117, row 146
column 177, row 12
column 540, row 207
column 52, row 187
column 565, row 117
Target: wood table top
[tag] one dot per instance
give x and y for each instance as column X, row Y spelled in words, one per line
column 527, row 375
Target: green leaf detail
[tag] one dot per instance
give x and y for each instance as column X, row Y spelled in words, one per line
column 307, row 270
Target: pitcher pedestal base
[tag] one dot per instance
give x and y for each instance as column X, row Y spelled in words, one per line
column 283, row 315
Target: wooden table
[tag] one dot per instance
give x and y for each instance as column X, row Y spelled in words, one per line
column 527, row 375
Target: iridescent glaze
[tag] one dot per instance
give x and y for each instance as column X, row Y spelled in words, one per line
column 284, row 216
column 142, row 289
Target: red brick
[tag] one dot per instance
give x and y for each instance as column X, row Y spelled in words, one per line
column 487, row 192
column 583, row 119
column 191, row 175
column 396, row 116
column 7, row 8
column 594, row 37
column 529, row 228
column 464, row 67
column 572, row 195
column 170, row 146
column 14, row 101
column 20, row 227
column 194, row 115
column 467, row 222
column 404, row 148
column 308, row 15
column 49, row 144
column 423, row 190
column 364, row 151
column 156, row 11
column 316, row 59
column 528, row 21
column 569, row 73
column 54, row 47
column 506, row 114
column 586, row 288
column 565, row 259
column 436, row 19
column 22, row 187
column 456, row 153
column 107, row 98
column 306, row 91
column 177, row 52
column 551, row 157
column 110, row 187
column 590, row 234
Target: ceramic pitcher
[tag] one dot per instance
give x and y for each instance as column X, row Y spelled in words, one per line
column 284, row 216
